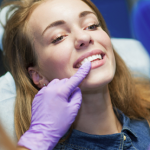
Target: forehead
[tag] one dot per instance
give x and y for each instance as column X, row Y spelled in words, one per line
column 53, row 10
column 61, row 7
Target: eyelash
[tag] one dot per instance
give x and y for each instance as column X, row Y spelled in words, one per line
column 60, row 37
column 96, row 25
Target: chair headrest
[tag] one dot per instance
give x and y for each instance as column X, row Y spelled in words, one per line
column 141, row 23
column 3, row 14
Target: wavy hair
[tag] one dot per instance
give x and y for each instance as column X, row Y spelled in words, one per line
column 129, row 94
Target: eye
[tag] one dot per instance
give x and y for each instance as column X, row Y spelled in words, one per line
column 93, row 27
column 58, row 39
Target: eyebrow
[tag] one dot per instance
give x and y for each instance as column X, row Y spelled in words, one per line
column 85, row 13
column 61, row 22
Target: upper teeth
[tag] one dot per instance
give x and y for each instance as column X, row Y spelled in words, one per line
column 91, row 58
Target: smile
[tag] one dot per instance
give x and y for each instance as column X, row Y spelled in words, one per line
column 96, row 57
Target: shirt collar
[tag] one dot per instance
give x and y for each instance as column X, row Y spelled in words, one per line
column 126, row 123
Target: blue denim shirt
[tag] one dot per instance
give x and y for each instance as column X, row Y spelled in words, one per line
column 135, row 135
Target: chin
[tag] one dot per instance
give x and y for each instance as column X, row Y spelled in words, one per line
column 97, row 81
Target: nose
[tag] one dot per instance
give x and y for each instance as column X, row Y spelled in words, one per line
column 82, row 40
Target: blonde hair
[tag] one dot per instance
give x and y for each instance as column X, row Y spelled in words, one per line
column 130, row 95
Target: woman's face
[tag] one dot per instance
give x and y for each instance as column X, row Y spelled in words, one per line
column 65, row 33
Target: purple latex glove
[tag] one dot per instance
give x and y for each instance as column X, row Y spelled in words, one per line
column 54, row 109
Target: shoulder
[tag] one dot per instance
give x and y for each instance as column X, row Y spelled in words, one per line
column 142, row 131
column 138, row 131
column 137, row 126
column 140, row 127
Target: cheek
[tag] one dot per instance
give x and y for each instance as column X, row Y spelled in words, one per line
column 114, row 62
column 105, row 42
column 103, row 39
column 54, row 61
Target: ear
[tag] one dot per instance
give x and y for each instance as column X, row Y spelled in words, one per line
column 38, row 79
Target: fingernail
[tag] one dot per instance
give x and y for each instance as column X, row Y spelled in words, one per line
column 86, row 64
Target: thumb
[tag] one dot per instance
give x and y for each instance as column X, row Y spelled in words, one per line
column 76, row 79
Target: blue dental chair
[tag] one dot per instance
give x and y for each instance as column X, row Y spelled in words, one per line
column 116, row 15
column 141, row 23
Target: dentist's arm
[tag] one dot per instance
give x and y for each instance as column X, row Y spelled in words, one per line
column 54, row 109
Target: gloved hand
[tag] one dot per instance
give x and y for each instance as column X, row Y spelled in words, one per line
column 54, row 109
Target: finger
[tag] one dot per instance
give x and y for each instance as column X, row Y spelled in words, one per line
column 76, row 98
column 76, row 79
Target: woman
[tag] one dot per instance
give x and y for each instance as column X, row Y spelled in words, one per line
column 48, row 41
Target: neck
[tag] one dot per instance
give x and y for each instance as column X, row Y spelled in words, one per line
column 96, row 115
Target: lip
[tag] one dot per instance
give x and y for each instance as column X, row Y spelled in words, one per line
column 98, row 63
column 94, row 52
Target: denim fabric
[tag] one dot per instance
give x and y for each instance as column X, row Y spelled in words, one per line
column 135, row 135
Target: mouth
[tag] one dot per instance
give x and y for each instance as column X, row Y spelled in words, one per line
column 94, row 57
